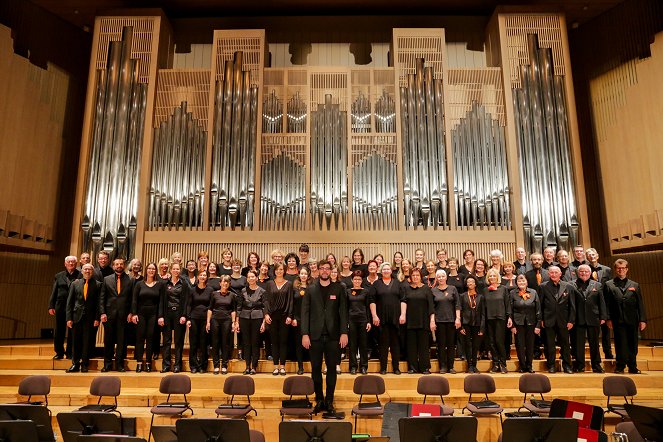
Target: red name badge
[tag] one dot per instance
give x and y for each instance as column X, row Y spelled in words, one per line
column 332, row 297
column 631, row 289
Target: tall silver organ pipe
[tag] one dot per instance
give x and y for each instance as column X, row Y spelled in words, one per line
column 109, row 218
column 546, row 173
column 361, row 114
column 283, row 195
column 424, row 156
column 272, row 114
column 233, row 148
column 329, row 196
column 296, row 109
column 374, row 194
column 178, row 172
column 385, row 113
column 481, row 183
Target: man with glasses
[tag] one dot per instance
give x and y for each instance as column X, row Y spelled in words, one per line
column 324, row 331
column 627, row 316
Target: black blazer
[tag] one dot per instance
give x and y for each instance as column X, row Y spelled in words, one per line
column 330, row 310
column 558, row 304
column 184, row 297
column 603, row 273
column 531, row 278
column 117, row 308
column 590, row 305
column 625, row 306
column 78, row 307
column 61, row 284
column 473, row 317
column 525, row 312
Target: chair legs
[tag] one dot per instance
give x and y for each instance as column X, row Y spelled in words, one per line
column 149, row 436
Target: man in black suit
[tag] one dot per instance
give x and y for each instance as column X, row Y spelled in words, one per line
column 57, row 306
column 324, row 326
column 627, row 316
column 83, row 316
column 535, row 277
column 103, row 267
column 548, row 257
column 521, row 264
column 591, row 314
column 114, row 307
column 558, row 309
column 602, row 274
column 578, row 256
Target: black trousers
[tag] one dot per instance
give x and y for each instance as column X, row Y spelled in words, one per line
column 445, row 335
column 250, row 332
column 198, row 344
column 418, row 349
column 221, row 331
column 525, row 345
column 83, row 332
column 472, row 343
column 115, row 345
column 147, row 317
column 172, row 326
column 300, row 351
column 331, row 351
column 592, row 333
column 560, row 333
column 605, row 342
column 279, row 334
column 358, row 341
column 373, row 342
column 389, row 339
column 626, row 346
column 264, row 339
column 496, row 329
column 60, row 331
column 156, row 340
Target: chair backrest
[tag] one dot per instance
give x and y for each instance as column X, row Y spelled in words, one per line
column 433, row 386
column 534, row 383
column 106, row 386
column 239, row 385
column 619, row 386
column 368, row 384
column 298, row 386
column 479, row 383
column 34, row 385
column 175, row 384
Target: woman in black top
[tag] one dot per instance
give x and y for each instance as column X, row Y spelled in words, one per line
column 213, row 277
column 292, row 267
column 431, row 278
column 473, row 321
column 278, row 314
column 252, row 263
column 420, row 263
column 191, row 278
column 468, row 267
column 447, row 320
column 225, row 268
column 372, row 276
column 174, row 317
column 455, row 278
column 498, row 319
column 345, row 273
column 406, row 269
column 237, row 281
column 263, row 274
column 250, row 320
column 419, row 317
column 298, row 292
column 221, row 324
column 358, row 262
column 396, row 263
column 163, row 267
column 360, row 323
column 384, row 299
column 508, row 279
column 196, row 322
column 480, row 268
column 526, row 313
column 146, row 306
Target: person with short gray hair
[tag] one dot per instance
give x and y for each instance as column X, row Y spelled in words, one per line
column 57, row 305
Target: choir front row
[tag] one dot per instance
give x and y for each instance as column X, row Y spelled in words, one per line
column 386, row 312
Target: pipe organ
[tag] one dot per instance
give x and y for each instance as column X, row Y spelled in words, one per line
column 419, row 149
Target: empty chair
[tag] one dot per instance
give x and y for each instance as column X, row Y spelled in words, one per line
column 298, row 386
column 101, row 386
column 172, row 384
column 38, row 385
column 370, row 385
column 481, row 384
column 619, row 386
column 435, row 386
column 535, row 383
column 237, row 386
column 628, row 428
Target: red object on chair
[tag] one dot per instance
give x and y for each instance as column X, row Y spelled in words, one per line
column 424, row 410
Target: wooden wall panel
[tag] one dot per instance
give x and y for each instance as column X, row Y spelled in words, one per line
column 627, row 111
column 32, row 119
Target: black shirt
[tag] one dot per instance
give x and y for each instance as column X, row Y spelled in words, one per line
column 297, row 297
column 279, row 300
column 361, row 267
column 222, row 305
column 146, row 297
column 174, row 293
column 199, row 302
column 214, row 282
column 419, row 302
column 221, row 270
column 237, row 284
column 358, row 305
column 445, row 303
column 498, row 305
column 457, row 281
column 387, row 300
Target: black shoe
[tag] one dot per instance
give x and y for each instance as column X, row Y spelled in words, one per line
column 383, row 372
column 568, row 370
column 148, row 367
column 74, row 368
column 165, row 369
column 121, row 369
column 598, row 370
column 58, row 357
column 363, row 371
column 530, row 370
column 139, row 367
column 247, row 371
column 319, row 406
column 443, row 370
column 105, row 369
column 452, row 371
column 552, row 370
column 397, row 371
column 495, row 368
column 411, row 371
column 300, row 371
column 634, row 371
column 521, row 370
column 177, row 369
column 84, row 369
column 252, row 372
column 619, row 371
column 426, row 371
column 353, row 371
column 503, row 369
column 330, row 409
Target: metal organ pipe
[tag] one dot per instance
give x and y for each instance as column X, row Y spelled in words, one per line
column 549, row 207
column 109, row 219
column 422, row 136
